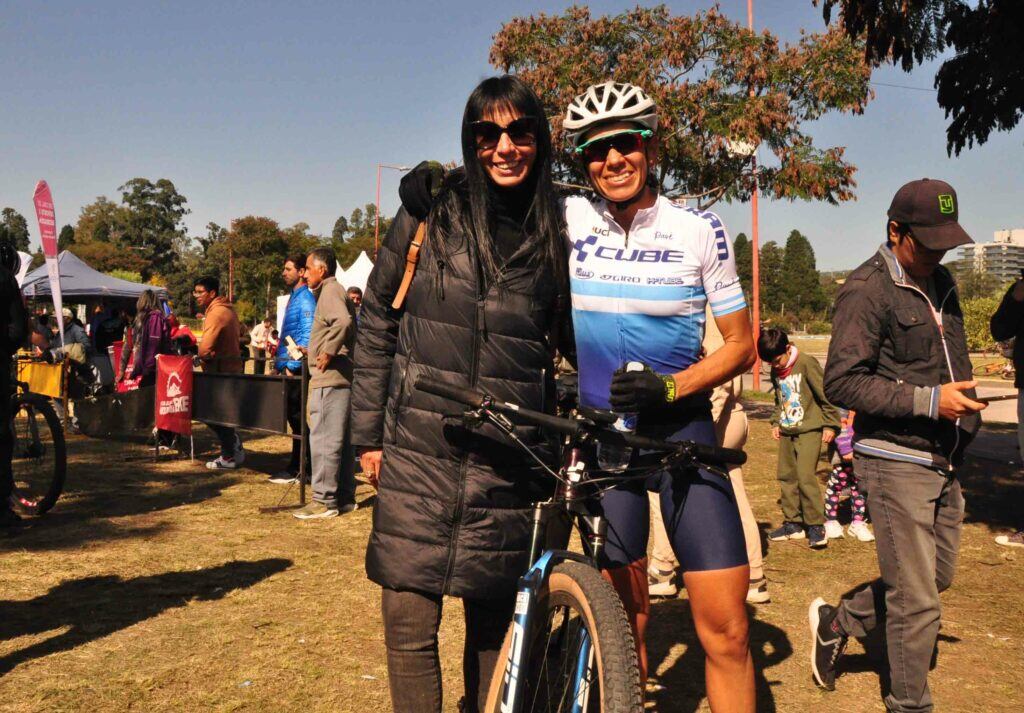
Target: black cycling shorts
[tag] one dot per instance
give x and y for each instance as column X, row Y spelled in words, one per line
column 699, row 509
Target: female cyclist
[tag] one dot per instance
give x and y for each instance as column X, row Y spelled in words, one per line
column 453, row 508
column 642, row 269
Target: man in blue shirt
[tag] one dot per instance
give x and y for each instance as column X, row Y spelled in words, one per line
column 297, row 324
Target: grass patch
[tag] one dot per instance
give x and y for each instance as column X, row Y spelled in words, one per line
column 160, row 587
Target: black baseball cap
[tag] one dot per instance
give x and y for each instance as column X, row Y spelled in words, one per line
column 931, row 209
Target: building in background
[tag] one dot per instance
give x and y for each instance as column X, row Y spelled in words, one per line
column 1003, row 258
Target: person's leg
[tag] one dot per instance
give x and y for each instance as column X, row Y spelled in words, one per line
column 908, row 502
column 789, row 484
column 662, row 557
column 808, row 449
column 6, row 439
column 623, row 561
column 321, row 446
column 707, row 536
column 720, row 618
column 858, row 503
column 1020, row 425
column 487, row 621
column 346, row 474
column 833, row 489
column 411, row 621
column 295, row 416
column 226, row 437
column 732, row 433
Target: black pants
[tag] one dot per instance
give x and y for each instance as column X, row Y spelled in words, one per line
column 411, row 621
column 295, row 418
column 6, row 437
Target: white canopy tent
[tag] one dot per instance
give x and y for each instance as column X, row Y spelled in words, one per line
column 358, row 272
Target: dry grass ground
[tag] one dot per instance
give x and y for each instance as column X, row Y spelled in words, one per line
column 159, row 587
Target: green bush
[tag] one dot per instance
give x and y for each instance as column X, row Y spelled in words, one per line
column 246, row 311
column 977, row 313
column 819, row 326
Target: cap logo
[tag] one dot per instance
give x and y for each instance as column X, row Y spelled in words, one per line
column 946, row 204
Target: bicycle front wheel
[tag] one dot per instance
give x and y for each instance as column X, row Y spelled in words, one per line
column 580, row 655
column 38, row 458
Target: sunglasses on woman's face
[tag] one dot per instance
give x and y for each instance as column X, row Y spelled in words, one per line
column 521, row 131
column 625, row 142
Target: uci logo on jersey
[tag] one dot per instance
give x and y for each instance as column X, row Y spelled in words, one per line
column 605, row 252
column 601, row 231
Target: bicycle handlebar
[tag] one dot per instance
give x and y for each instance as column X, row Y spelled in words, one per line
column 573, row 427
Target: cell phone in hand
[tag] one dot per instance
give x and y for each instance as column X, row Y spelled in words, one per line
column 990, row 399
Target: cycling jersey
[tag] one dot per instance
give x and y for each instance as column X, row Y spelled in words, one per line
column 641, row 296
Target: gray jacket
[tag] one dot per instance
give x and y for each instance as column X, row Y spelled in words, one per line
column 333, row 333
column 888, row 358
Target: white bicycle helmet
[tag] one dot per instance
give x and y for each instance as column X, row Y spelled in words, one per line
column 611, row 101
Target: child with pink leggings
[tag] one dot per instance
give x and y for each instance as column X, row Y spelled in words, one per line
column 843, row 477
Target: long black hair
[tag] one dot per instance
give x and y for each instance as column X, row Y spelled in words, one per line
column 543, row 226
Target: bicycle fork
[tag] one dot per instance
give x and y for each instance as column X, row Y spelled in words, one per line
column 592, row 528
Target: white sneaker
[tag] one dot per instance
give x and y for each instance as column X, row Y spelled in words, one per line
column 222, row 463
column 757, row 593
column 661, row 584
column 861, row 531
column 833, row 530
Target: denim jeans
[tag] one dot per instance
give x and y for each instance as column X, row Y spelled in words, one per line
column 411, row 621
column 918, row 515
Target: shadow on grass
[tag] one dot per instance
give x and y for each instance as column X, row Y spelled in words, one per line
column 94, row 607
column 684, row 680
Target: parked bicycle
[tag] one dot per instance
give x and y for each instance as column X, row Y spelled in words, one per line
column 1001, row 369
column 569, row 646
column 39, row 454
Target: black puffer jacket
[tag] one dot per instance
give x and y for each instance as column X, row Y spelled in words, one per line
column 452, row 514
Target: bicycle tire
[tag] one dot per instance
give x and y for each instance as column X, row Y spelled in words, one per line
column 1008, row 374
column 39, row 502
column 594, row 600
column 986, row 369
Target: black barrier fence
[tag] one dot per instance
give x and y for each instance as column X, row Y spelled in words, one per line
column 253, row 402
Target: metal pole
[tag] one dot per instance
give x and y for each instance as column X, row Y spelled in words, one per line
column 231, row 275
column 755, row 248
column 376, row 217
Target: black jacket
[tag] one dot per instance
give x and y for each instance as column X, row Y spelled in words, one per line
column 888, row 357
column 1008, row 323
column 453, row 508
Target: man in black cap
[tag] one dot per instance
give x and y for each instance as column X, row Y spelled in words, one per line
column 898, row 357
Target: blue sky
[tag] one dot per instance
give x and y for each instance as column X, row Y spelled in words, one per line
column 284, row 110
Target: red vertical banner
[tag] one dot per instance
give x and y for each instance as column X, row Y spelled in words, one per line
column 174, row 393
column 48, row 237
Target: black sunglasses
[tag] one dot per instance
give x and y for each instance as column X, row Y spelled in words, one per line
column 625, row 142
column 521, row 131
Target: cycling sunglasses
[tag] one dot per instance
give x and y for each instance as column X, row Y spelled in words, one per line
column 521, row 131
column 624, row 142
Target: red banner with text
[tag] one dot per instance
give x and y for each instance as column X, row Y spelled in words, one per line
column 174, row 393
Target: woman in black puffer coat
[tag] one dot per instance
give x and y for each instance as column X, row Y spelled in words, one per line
column 453, row 506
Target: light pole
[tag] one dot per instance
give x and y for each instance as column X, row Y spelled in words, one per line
column 755, row 252
column 376, row 217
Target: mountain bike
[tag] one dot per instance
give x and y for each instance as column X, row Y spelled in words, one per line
column 39, row 453
column 1002, row 369
column 569, row 647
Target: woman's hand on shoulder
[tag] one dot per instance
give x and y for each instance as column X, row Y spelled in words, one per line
column 420, row 187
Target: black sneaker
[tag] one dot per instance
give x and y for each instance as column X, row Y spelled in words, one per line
column 788, row 531
column 827, row 643
column 816, row 537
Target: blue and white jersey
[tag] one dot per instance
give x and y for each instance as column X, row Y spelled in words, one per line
column 641, row 297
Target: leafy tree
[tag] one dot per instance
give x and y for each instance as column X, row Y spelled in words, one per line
column 126, row 275
column 107, row 256
column 973, row 284
column 66, row 238
column 361, row 230
column 340, row 228
column 743, row 250
column 980, row 86
column 772, row 277
column 154, row 221
column 717, row 85
column 214, row 234
column 801, row 289
column 14, row 227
